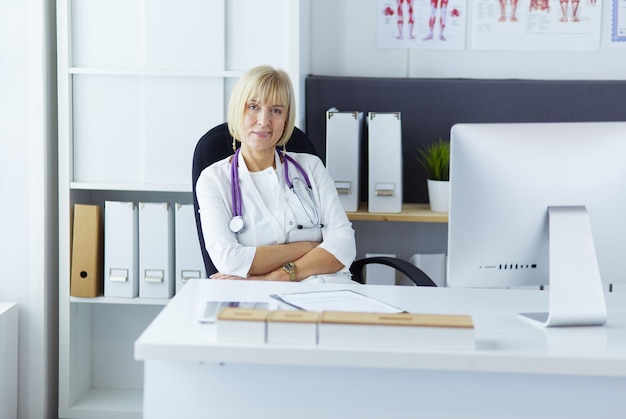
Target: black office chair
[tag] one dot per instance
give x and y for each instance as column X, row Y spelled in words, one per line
column 216, row 145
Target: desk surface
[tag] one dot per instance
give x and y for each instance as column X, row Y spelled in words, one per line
column 504, row 343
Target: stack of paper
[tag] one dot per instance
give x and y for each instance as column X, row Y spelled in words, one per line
column 400, row 330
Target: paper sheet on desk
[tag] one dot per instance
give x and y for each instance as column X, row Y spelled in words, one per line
column 340, row 300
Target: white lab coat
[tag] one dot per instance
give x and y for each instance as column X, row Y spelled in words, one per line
column 272, row 216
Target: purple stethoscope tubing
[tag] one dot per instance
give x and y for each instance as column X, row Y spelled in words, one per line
column 236, row 224
column 235, row 189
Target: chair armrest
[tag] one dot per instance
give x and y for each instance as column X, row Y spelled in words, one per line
column 414, row 273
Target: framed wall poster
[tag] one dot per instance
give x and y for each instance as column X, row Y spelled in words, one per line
column 542, row 25
column 422, row 24
column 618, row 21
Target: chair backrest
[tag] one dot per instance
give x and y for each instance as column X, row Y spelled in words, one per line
column 216, row 145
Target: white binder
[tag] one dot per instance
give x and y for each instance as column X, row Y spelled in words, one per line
column 189, row 263
column 385, row 162
column 343, row 151
column 156, row 250
column 379, row 274
column 433, row 265
column 121, row 249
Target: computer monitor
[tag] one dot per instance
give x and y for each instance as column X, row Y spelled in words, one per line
column 511, row 184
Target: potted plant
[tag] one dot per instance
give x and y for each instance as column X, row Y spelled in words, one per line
column 435, row 158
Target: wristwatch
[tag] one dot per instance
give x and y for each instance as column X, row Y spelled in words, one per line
column 290, row 268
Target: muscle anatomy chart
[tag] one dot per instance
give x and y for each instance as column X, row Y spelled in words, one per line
column 536, row 25
column 422, row 24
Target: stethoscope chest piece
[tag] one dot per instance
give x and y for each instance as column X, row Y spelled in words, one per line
column 236, row 224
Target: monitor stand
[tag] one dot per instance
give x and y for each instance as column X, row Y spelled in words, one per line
column 576, row 294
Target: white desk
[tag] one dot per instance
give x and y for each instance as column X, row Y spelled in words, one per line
column 8, row 360
column 515, row 371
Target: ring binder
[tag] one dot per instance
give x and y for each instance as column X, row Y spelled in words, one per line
column 156, row 250
column 86, row 271
column 121, row 249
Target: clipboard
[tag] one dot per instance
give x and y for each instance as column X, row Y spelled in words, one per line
column 336, row 300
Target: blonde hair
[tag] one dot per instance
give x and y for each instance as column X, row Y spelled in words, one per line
column 265, row 85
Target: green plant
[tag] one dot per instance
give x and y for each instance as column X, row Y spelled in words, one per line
column 435, row 158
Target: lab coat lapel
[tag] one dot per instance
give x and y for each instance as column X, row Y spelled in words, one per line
column 250, row 188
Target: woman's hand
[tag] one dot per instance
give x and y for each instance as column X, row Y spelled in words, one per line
column 315, row 262
column 270, row 259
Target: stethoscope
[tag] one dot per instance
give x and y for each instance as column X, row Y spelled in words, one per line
column 237, row 224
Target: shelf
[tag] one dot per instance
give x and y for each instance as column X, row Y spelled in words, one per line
column 106, row 404
column 131, row 107
column 153, row 72
column 136, row 187
column 414, row 213
column 114, row 300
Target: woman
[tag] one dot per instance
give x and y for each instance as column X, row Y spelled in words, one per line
column 255, row 226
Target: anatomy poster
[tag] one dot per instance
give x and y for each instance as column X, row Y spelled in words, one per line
column 536, row 25
column 618, row 22
column 422, row 24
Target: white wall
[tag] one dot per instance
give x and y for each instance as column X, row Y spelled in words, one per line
column 28, row 196
column 343, row 43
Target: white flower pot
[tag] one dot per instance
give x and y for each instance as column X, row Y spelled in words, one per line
column 439, row 195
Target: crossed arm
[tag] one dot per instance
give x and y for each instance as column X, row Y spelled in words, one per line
column 307, row 256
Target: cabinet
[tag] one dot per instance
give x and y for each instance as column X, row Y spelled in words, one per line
column 8, row 359
column 139, row 82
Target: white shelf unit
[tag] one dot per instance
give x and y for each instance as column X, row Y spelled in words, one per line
column 139, row 82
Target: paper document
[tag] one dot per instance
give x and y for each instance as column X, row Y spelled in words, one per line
column 207, row 312
column 341, row 300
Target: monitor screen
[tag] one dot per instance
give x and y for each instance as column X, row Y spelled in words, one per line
column 503, row 179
